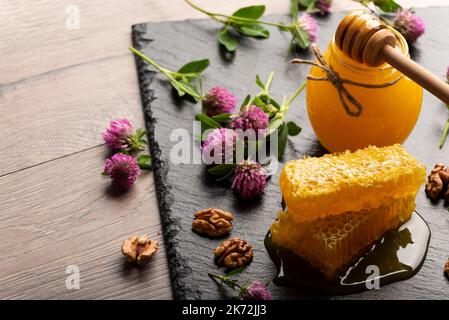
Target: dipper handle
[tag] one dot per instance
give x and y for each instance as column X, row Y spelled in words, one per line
column 417, row 73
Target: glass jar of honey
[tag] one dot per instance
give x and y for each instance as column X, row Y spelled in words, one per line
column 388, row 115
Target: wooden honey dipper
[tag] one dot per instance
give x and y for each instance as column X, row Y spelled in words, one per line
column 366, row 39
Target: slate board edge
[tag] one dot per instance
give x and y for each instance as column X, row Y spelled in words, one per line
column 178, row 267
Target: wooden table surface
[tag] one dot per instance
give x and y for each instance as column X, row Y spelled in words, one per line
column 59, row 87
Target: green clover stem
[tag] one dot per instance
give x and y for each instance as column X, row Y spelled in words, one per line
column 214, row 276
column 295, row 95
column 445, row 132
column 153, row 63
column 214, row 16
column 171, row 75
column 224, row 280
column 269, row 81
column 165, row 71
column 268, row 23
column 210, row 14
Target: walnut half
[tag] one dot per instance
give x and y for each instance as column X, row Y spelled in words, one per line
column 437, row 182
column 212, row 222
column 434, row 185
column 139, row 249
column 234, row 253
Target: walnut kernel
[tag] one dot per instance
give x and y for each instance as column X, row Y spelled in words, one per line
column 437, row 182
column 139, row 249
column 212, row 222
column 234, row 253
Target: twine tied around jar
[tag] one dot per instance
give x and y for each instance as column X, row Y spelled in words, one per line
column 339, row 83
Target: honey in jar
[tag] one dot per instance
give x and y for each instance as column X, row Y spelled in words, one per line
column 389, row 113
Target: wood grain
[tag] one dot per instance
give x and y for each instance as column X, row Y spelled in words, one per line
column 66, row 111
column 63, row 213
column 58, row 89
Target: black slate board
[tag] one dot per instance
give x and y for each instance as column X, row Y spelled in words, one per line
column 183, row 189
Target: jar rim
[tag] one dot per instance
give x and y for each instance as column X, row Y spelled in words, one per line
column 385, row 67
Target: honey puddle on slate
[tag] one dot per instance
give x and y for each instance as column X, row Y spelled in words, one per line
column 398, row 255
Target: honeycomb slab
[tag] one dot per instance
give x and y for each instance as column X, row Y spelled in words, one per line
column 349, row 182
column 338, row 205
